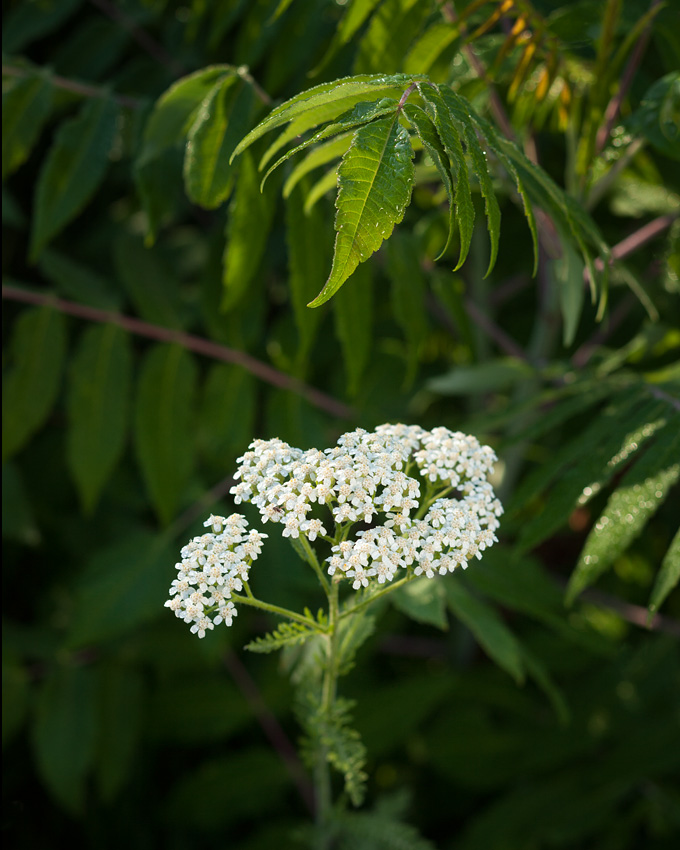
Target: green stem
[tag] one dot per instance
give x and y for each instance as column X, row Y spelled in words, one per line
column 322, row 772
column 314, row 563
column 249, row 599
column 361, row 605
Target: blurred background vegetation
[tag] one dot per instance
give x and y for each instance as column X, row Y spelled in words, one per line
column 503, row 716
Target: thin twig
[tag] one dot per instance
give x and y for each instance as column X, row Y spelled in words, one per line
column 614, row 106
column 635, row 614
column 505, row 342
column 74, row 86
column 271, row 727
column 193, row 343
column 143, row 39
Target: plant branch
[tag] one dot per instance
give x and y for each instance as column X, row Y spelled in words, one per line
column 74, row 86
column 366, row 602
column 614, row 106
column 143, row 39
column 271, row 727
column 192, row 343
column 275, row 609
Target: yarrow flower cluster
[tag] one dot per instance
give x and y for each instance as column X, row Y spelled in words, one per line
column 212, row 567
column 427, row 525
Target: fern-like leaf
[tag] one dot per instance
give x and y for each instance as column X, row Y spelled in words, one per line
column 286, row 634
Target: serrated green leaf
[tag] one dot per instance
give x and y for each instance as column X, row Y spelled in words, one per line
column 121, row 690
column 148, row 281
column 458, row 112
column 364, row 830
column 64, row 734
column 97, row 405
column 221, row 120
column 345, row 752
column 74, row 168
column 120, row 588
column 489, row 630
column 175, row 110
column 640, row 493
column 307, row 263
column 38, row 347
column 163, row 425
column 408, row 296
column 250, row 218
column 668, row 576
column 320, row 104
column 424, row 127
column 388, row 36
column 322, row 155
column 26, row 106
column 449, row 133
column 424, row 601
column 77, row 282
column 361, row 113
column 227, row 416
column 286, row 634
column 353, row 314
column 375, row 180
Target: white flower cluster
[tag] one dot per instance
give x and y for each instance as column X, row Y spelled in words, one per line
column 212, row 567
column 366, row 474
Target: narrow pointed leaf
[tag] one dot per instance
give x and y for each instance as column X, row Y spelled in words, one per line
column 668, row 576
column 221, row 120
column 489, row 630
column 568, row 272
column 360, row 114
column 450, row 136
column 389, row 35
column 407, row 293
column 26, row 105
column 64, row 733
column 30, row 389
column 641, row 492
column 97, row 404
column 375, row 180
column 424, row 127
column 163, row 425
column 479, row 165
column 322, row 155
column 74, row 168
column 227, row 415
column 428, row 47
column 339, row 96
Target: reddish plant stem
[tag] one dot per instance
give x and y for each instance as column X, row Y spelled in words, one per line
column 143, row 39
column 192, row 343
column 505, row 342
column 614, row 105
column 271, row 727
column 74, row 86
column 583, row 354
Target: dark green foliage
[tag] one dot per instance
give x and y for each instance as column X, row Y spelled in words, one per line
column 522, row 703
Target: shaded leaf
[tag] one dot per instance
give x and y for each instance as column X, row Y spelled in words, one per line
column 18, row 520
column 408, row 296
column 568, row 272
column 37, row 351
column 121, row 691
column 250, row 218
column 121, row 587
column 163, row 425
column 375, row 180
column 489, row 630
column 97, row 405
column 388, row 36
column 353, row 314
column 73, row 169
column 324, row 185
column 422, row 600
column 26, row 106
column 221, row 120
column 77, row 282
column 493, row 376
column 64, row 734
column 227, row 415
column 15, row 695
column 27, row 22
column 429, row 46
column 658, row 117
column 151, row 286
